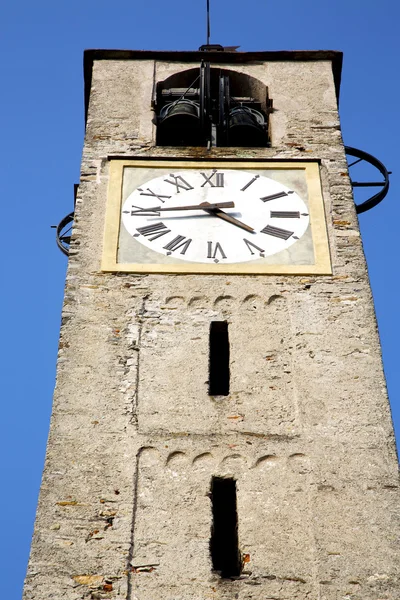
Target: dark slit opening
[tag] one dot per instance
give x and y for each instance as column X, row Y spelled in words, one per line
column 219, row 359
column 225, row 554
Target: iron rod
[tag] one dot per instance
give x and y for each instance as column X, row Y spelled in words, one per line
column 368, row 184
column 355, row 162
column 208, row 22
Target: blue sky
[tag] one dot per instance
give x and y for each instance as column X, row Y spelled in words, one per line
column 42, row 128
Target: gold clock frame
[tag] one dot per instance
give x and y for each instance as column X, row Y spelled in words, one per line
column 321, row 265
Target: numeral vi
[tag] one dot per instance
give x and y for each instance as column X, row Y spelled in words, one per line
column 212, row 251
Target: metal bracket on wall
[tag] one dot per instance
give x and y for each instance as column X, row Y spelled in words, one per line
column 63, row 233
column 361, row 156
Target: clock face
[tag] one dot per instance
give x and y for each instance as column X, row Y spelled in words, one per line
column 215, row 216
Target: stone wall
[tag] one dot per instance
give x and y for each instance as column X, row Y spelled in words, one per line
column 124, row 510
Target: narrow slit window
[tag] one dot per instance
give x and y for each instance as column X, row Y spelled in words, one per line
column 219, row 359
column 225, row 554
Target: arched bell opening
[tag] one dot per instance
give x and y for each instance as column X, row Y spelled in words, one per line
column 212, row 107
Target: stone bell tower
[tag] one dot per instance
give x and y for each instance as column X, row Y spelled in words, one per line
column 221, row 427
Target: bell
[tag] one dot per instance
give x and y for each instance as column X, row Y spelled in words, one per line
column 246, row 127
column 179, row 124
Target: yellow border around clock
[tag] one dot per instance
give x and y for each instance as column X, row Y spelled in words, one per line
column 322, row 265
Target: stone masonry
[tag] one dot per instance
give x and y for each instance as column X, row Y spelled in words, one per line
column 124, row 510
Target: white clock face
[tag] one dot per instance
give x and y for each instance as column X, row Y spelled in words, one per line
column 215, row 216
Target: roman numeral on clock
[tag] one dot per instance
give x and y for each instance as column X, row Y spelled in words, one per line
column 153, row 194
column 155, row 230
column 285, row 214
column 179, row 242
column 250, row 183
column 284, row 234
column 275, row 196
column 179, row 183
column 250, row 245
column 143, row 212
column 219, row 179
column 213, row 250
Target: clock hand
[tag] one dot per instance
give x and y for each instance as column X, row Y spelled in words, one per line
column 201, row 206
column 222, row 215
column 214, row 209
column 191, row 207
column 211, row 209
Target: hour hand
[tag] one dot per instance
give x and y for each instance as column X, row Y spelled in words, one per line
column 212, row 209
column 215, row 210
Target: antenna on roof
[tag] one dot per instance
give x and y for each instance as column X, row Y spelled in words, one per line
column 208, row 22
column 214, row 47
column 210, row 47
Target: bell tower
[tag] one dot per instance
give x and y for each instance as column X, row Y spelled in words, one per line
column 221, row 427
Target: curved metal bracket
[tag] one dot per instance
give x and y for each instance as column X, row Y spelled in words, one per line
column 374, row 200
column 63, row 233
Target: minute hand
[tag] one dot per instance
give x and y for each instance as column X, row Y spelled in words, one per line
column 198, row 206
